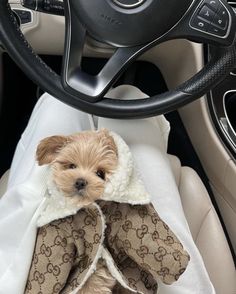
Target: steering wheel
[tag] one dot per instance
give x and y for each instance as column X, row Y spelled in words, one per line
column 133, row 27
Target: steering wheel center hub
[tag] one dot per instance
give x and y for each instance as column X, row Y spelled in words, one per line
column 125, row 23
column 128, row 3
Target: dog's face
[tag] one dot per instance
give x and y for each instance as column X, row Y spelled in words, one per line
column 80, row 163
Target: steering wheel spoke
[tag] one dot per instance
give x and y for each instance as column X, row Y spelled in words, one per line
column 207, row 21
column 75, row 80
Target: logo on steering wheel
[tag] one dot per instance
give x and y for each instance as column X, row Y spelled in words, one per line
column 128, row 3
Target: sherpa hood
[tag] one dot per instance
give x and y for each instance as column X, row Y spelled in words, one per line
column 123, row 186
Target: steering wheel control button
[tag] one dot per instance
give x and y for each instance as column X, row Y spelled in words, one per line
column 128, row 3
column 206, row 13
column 220, row 22
column 200, row 24
column 223, row 14
column 211, row 17
column 216, row 31
column 213, row 4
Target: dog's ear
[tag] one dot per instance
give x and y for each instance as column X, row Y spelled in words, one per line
column 108, row 140
column 49, row 147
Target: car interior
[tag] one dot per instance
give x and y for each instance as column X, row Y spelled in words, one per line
column 202, row 143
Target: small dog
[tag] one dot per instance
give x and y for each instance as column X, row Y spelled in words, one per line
column 81, row 164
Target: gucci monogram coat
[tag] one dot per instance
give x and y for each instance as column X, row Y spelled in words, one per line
column 142, row 248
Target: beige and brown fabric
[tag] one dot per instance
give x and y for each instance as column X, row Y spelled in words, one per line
column 142, row 246
column 65, row 249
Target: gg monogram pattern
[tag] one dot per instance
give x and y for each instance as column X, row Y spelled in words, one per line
column 64, row 251
column 143, row 248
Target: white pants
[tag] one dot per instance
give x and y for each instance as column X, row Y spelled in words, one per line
column 147, row 139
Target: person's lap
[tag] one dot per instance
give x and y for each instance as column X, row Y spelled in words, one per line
column 147, row 140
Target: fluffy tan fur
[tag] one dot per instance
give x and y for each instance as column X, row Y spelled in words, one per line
column 89, row 157
column 101, row 282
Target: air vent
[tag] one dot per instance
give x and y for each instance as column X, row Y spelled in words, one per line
column 232, row 4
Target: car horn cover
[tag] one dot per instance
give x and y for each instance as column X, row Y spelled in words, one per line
column 129, row 22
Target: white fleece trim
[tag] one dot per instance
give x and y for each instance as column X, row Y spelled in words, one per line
column 56, row 206
column 123, row 186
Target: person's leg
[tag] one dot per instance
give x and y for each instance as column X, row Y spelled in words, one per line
column 50, row 117
column 147, row 141
column 21, row 204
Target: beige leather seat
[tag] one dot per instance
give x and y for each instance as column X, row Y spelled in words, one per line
column 204, row 225
column 206, row 229
column 3, row 183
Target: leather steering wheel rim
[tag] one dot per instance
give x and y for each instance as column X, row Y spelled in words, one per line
column 215, row 71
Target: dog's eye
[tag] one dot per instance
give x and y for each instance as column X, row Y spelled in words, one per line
column 72, row 166
column 101, row 174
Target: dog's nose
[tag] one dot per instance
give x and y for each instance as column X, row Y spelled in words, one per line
column 80, row 184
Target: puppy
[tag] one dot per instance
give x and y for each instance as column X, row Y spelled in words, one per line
column 81, row 165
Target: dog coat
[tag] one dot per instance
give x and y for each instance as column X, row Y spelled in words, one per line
column 123, row 228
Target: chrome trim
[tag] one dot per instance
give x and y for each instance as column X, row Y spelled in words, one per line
column 232, row 3
column 233, row 132
column 138, row 3
column 216, row 36
column 223, row 128
column 219, row 127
